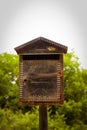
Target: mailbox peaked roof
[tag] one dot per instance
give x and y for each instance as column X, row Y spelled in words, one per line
column 41, row 45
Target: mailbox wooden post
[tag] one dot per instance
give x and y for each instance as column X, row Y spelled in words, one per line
column 41, row 74
column 43, row 117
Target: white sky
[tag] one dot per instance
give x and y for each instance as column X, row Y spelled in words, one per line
column 63, row 21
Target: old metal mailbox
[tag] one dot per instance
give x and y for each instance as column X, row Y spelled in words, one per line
column 41, row 72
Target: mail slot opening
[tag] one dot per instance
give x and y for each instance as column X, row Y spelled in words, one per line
column 41, row 57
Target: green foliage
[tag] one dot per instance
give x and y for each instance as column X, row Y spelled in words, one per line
column 8, row 82
column 73, row 80
column 72, row 115
column 57, row 123
column 18, row 121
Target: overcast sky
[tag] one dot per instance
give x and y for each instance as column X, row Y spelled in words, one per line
column 63, row 21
